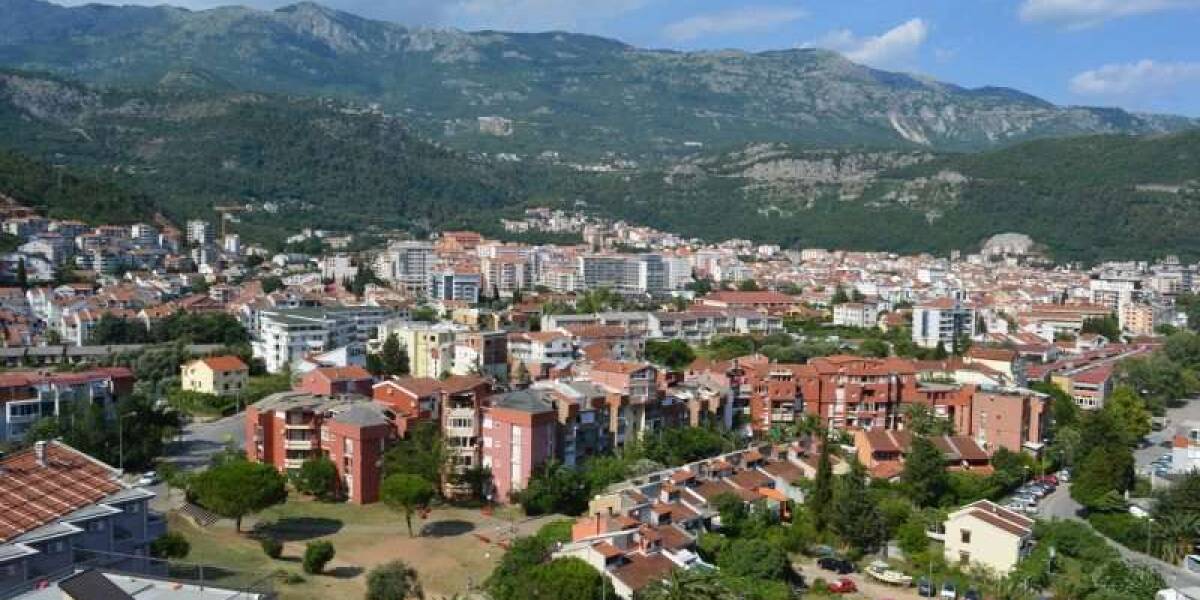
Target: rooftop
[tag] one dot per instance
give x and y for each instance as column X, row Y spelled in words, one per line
column 33, row 493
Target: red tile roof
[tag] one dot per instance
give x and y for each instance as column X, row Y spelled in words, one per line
column 351, row 373
column 32, row 495
column 224, row 363
column 643, row 570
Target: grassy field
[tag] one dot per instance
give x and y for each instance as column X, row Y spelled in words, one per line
column 456, row 548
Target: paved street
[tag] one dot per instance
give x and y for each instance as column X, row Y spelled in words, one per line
column 1060, row 505
column 200, row 440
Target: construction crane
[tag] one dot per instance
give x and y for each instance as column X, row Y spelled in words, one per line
column 225, row 212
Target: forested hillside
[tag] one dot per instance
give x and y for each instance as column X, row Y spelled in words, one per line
column 580, row 96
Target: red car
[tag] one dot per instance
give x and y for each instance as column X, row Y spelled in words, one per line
column 1050, row 479
column 843, row 586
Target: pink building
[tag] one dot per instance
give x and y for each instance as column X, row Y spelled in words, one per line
column 519, row 435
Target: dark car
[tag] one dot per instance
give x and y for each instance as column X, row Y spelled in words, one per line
column 972, row 594
column 925, row 589
column 837, row 565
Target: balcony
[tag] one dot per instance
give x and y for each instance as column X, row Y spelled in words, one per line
column 299, row 445
column 293, row 463
column 299, row 425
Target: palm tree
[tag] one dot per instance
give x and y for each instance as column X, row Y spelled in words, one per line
column 1179, row 534
column 687, row 585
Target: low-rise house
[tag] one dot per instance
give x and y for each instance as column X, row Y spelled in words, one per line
column 216, row 375
column 985, row 534
column 883, row 452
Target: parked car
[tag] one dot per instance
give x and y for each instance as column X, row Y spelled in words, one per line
column 837, row 565
column 1050, row 479
column 949, row 591
column 925, row 589
column 1064, row 475
column 843, row 586
column 972, row 594
column 148, row 478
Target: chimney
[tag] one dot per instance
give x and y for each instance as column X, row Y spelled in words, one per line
column 39, row 452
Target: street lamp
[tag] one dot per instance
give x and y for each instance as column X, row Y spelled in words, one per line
column 121, row 439
column 1149, row 536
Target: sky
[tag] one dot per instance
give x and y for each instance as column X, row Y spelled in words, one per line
column 1137, row 54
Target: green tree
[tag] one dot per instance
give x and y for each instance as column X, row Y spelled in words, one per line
column 921, row 420
column 674, row 354
column 1107, row 326
column 874, row 348
column 271, row 546
column 422, row 452
column 316, row 555
column 394, row 357
column 394, row 580
column 839, row 296
column 748, row 285
column 237, row 488
column 1103, row 470
column 690, row 584
column 318, row 477
column 754, row 558
column 22, row 275
column 822, row 488
column 564, row 579
column 406, row 494
column 924, row 474
column 555, row 488
column 855, row 516
column 1129, row 414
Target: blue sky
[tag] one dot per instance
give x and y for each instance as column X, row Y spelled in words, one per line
column 1137, row 54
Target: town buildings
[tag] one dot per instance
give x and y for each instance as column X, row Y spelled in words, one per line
column 942, row 322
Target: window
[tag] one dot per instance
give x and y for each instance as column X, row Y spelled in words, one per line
column 964, row 558
column 965, row 535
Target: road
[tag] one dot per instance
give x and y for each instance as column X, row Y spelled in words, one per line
column 1060, row 505
column 199, row 441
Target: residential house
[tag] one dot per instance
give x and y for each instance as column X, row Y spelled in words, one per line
column 987, row 535
column 216, row 375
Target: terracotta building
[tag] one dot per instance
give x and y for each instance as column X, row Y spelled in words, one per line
column 288, row 428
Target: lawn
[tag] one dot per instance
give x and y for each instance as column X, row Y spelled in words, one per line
column 459, row 547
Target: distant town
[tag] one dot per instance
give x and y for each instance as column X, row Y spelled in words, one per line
column 662, row 413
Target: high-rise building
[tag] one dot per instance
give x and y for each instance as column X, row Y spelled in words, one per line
column 942, row 321
column 449, row 285
column 407, row 264
column 200, row 232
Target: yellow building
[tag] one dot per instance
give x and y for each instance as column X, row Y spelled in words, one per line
column 216, row 375
column 987, row 535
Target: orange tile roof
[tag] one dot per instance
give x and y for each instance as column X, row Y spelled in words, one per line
column 225, row 363
column 32, row 495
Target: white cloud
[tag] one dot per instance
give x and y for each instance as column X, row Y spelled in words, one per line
column 738, row 20
column 895, row 47
column 1142, row 80
column 1078, row 14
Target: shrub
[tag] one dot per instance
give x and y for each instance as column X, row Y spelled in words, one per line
column 317, row 555
column 393, row 581
column 271, row 547
column 170, row 545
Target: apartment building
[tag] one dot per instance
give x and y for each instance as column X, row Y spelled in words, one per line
column 407, row 265
column 942, row 322
column 539, row 351
column 520, row 433
column 856, row 392
column 628, row 274
column 288, row 428
column 62, row 508
column 463, row 399
column 856, row 314
column 452, row 285
column 430, row 346
column 28, row 396
column 1012, row 418
column 700, row 325
column 288, row 335
column 216, row 375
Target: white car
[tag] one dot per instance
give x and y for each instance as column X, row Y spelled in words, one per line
column 148, row 478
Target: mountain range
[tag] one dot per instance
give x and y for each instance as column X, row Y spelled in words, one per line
column 580, row 96
column 318, row 118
